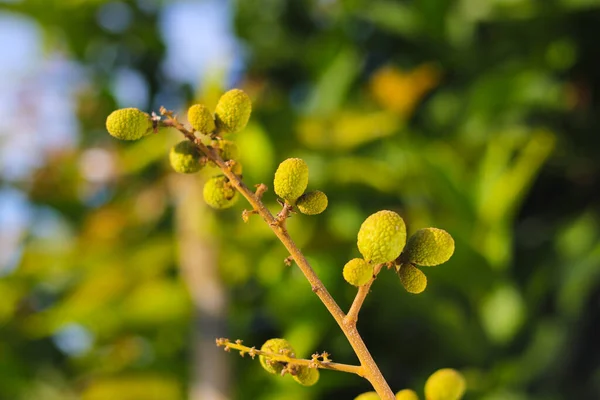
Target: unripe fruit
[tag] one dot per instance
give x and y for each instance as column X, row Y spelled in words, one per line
column 128, row 124
column 201, row 118
column 229, row 150
column 429, row 247
column 412, row 278
column 357, row 272
column 445, row 384
column 233, row 111
column 306, row 376
column 185, row 158
column 219, row 193
column 381, row 237
column 291, row 179
column 312, row 203
column 368, row 396
column 277, row 346
column 407, row 394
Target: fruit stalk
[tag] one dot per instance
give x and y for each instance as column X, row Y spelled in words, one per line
column 372, row 372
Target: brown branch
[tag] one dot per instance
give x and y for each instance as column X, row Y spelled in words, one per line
column 372, row 372
column 352, row 317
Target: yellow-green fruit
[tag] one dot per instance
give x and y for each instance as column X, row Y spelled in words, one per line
column 128, row 124
column 429, row 247
column 312, row 203
column 306, row 376
column 367, row 396
column 201, row 118
column 407, row 394
column 412, row 278
column 185, row 157
column 233, row 111
column 381, row 237
column 277, row 346
column 357, row 272
column 229, row 150
column 445, row 384
column 219, row 193
column 291, row 179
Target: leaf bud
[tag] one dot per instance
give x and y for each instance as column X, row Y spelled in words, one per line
column 291, row 179
column 358, row 272
column 382, row 237
column 412, row 278
column 233, row 111
column 219, row 193
column 185, row 157
column 201, row 119
column 128, row 124
column 312, row 203
column 428, row 247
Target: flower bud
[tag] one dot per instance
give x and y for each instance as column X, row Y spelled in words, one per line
column 357, row 272
column 233, row 111
column 381, row 237
column 312, row 203
column 201, row 118
column 128, row 124
column 291, row 179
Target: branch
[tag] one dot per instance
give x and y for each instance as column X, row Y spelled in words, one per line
column 314, row 362
column 371, row 370
column 352, row 317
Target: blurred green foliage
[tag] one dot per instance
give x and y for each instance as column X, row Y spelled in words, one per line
column 475, row 116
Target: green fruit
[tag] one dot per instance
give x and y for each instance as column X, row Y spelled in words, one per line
column 291, row 179
column 201, row 118
column 306, row 376
column 358, row 272
column 229, row 150
column 185, row 157
column 445, row 384
column 277, row 346
column 429, row 247
column 412, row 278
column 312, row 203
column 407, row 394
column 219, row 193
column 233, row 111
column 128, row 124
column 367, row 396
column 381, row 237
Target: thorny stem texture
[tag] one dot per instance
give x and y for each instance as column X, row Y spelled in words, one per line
column 371, row 370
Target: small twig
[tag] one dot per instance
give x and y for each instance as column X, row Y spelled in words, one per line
column 352, row 317
column 314, row 362
column 370, row 369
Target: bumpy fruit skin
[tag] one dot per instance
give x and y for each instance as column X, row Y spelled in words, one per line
column 128, row 124
column 407, row 394
column 445, row 384
column 291, row 179
column 219, row 193
column 229, row 150
column 278, row 346
column 412, row 278
column 201, row 118
column 382, row 237
column 312, row 203
column 185, row 158
column 368, row 396
column 233, row 111
column 306, row 376
column 429, row 247
column 357, row 272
